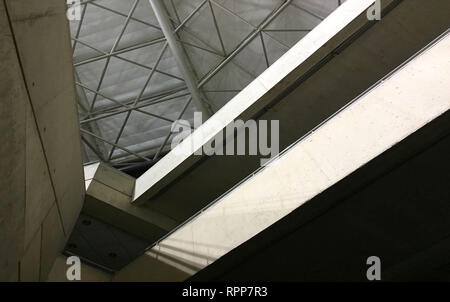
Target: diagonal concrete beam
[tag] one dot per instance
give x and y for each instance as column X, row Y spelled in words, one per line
column 108, row 198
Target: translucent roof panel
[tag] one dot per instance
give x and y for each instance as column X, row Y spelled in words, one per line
column 130, row 86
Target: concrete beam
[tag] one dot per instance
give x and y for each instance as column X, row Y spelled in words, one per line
column 108, row 198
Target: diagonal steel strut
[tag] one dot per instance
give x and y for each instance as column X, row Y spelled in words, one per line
column 180, row 56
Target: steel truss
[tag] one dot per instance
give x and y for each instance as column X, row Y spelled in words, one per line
column 170, row 27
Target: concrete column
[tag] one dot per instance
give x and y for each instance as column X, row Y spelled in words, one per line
column 42, row 190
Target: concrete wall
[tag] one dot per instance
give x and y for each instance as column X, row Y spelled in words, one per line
column 43, row 191
column 12, row 153
column 398, row 106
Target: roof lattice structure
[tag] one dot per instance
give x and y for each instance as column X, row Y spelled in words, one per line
column 139, row 66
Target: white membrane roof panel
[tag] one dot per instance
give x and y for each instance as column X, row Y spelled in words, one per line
column 129, row 85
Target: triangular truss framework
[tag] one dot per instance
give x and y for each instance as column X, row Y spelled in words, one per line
column 213, row 50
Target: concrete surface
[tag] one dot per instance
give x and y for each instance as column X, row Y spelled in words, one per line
column 108, row 198
column 41, row 32
column 399, row 105
column 103, row 245
column 43, row 191
column 12, row 154
column 353, row 59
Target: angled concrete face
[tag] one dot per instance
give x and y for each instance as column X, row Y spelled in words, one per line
column 108, row 198
column 13, row 98
column 41, row 32
column 53, row 240
column 399, row 105
column 43, row 191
